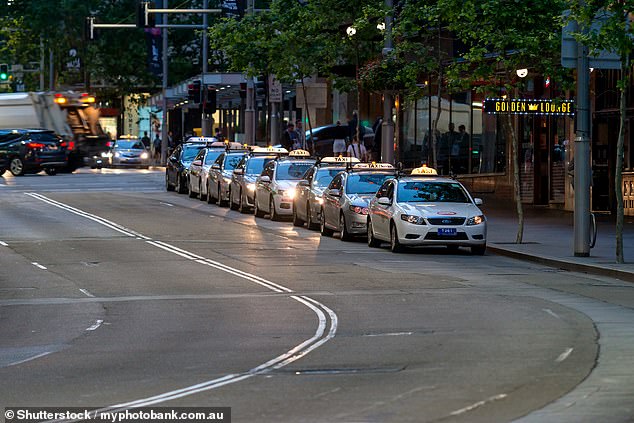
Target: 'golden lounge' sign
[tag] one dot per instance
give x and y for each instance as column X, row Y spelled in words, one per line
column 529, row 107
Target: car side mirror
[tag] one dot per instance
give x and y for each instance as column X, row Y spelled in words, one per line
column 197, row 162
column 173, row 159
column 238, row 171
column 478, row 201
column 384, row 201
column 335, row 193
column 265, row 179
column 215, row 166
column 303, row 183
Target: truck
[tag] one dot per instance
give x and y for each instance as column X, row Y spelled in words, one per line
column 71, row 115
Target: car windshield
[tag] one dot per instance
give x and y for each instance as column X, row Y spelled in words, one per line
column 232, row 160
column 431, row 192
column 129, row 144
column 255, row 165
column 324, row 176
column 366, row 183
column 212, row 156
column 292, row 171
column 190, row 151
column 44, row 137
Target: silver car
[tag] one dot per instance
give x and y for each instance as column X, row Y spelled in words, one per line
column 275, row 187
column 219, row 177
column 242, row 189
column 346, row 199
column 129, row 152
column 308, row 195
column 199, row 171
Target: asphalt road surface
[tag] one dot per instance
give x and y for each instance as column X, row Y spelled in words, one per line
column 114, row 292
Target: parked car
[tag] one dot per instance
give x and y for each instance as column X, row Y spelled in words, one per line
column 219, row 177
column 425, row 209
column 129, row 152
column 31, row 150
column 324, row 136
column 177, row 167
column 199, row 170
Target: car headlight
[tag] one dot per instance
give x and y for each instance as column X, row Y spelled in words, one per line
column 117, row 154
column 359, row 209
column 227, row 180
column 144, row 155
column 106, row 154
column 251, row 187
column 475, row 220
column 414, row 220
column 320, row 201
column 287, row 193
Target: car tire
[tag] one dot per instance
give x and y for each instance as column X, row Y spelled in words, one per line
column 256, row 209
column 191, row 193
column 200, row 192
column 210, row 198
column 343, row 229
column 296, row 220
column 372, row 241
column 232, row 205
column 181, row 188
column 310, row 224
column 16, row 167
column 325, row 231
column 221, row 202
column 241, row 207
column 478, row 250
column 168, row 186
column 274, row 216
column 51, row 171
column 395, row 245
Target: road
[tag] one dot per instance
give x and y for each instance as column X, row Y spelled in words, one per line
column 113, row 290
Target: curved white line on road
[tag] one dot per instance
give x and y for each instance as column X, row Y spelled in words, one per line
column 564, row 355
column 478, row 404
column 4, row 244
column 95, row 326
column 38, row 265
column 326, row 328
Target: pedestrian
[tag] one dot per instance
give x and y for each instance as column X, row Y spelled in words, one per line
column 377, row 128
column 353, row 125
column 219, row 134
column 289, row 137
column 157, row 148
column 357, row 150
column 301, row 135
column 146, row 140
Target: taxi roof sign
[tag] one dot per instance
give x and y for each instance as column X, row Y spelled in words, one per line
column 269, row 150
column 386, row 166
column 299, row 153
column 202, row 139
column 340, row 159
column 424, row 170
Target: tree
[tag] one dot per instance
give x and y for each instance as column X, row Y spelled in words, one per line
column 616, row 35
column 501, row 37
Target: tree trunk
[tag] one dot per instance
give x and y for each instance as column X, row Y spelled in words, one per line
column 310, row 126
column 618, row 175
column 510, row 130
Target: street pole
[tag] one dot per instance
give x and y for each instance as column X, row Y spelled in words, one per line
column 582, row 156
column 42, row 62
column 206, row 120
column 164, row 86
column 249, row 112
column 387, row 128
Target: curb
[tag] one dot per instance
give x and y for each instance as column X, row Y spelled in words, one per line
column 563, row 264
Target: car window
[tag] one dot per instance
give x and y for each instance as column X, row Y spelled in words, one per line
column 324, row 176
column 366, row 183
column 336, row 183
column 390, row 190
column 232, row 160
column 220, row 159
column 190, row 151
column 431, row 192
column 212, row 156
column 292, row 170
column 200, row 155
column 309, row 174
column 382, row 192
column 129, row 144
column 255, row 165
column 269, row 169
column 43, row 136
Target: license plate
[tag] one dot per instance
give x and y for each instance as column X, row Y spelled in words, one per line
column 447, row 231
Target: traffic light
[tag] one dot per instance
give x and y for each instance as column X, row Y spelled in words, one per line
column 143, row 18
column 210, row 100
column 193, row 91
column 4, row 72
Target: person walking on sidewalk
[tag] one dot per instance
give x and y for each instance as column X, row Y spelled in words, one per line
column 357, row 150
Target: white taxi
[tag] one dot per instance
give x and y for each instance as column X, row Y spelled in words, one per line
column 425, row 209
column 275, row 187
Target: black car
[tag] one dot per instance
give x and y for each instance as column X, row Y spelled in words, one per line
column 324, row 136
column 31, row 150
column 177, row 167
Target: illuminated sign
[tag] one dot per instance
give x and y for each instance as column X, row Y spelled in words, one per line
column 512, row 106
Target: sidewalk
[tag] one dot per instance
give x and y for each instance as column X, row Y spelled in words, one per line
column 549, row 236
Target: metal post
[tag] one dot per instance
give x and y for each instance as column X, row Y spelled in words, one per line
column 164, row 86
column 387, row 128
column 275, row 124
column 42, row 63
column 249, row 111
column 205, row 120
column 582, row 157
column 51, row 70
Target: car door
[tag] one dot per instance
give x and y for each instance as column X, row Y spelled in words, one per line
column 332, row 202
column 303, row 193
column 195, row 168
column 172, row 163
column 262, row 188
column 236, row 180
column 214, row 173
column 380, row 223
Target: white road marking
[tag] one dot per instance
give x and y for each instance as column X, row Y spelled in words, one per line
column 564, row 355
column 389, row 334
column 4, row 244
column 38, row 265
column 86, row 293
column 95, row 326
column 166, row 204
column 552, row 313
column 478, row 404
column 30, row 358
column 326, row 328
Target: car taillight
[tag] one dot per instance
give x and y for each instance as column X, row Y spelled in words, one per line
column 109, row 144
column 63, row 144
column 34, row 145
column 71, row 145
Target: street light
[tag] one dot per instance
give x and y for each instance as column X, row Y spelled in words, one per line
column 522, row 72
column 351, row 31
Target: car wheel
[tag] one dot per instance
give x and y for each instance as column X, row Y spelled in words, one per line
column 296, row 220
column 168, row 186
column 181, row 188
column 395, row 245
column 325, row 231
column 256, row 209
column 16, row 167
column 310, row 224
column 221, row 202
column 192, row 194
column 200, row 191
column 274, row 216
column 210, row 198
column 242, row 208
column 51, row 171
column 343, row 229
column 232, row 205
column 453, row 247
column 372, row 241
column 478, row 250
